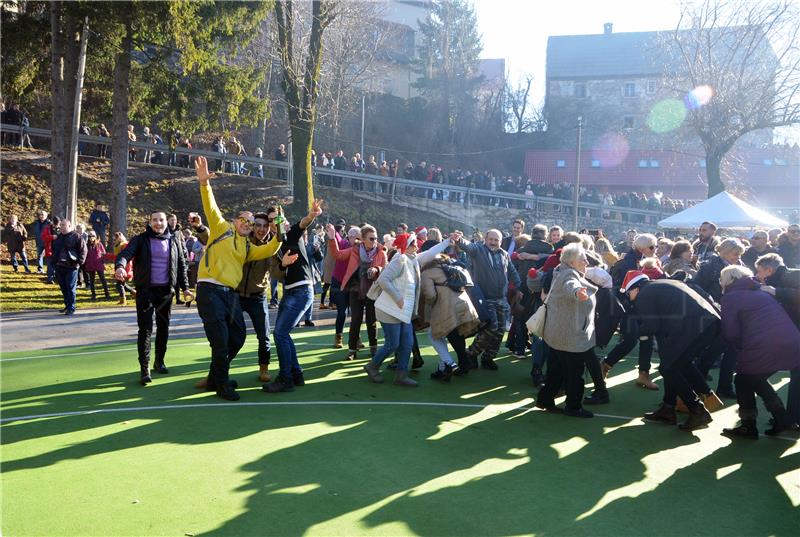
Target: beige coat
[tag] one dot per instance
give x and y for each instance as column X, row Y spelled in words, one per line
column 445, row 308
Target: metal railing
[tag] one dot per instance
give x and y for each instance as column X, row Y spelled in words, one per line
column 362, row 183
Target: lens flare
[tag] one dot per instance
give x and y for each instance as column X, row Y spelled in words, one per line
column 611, row 150
column 666, row 116
column 698, row 97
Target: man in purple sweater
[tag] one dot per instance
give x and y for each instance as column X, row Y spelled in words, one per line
column 159, row 266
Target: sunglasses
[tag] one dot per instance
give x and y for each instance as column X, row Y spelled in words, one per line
column 243, row 220
column 258, row 224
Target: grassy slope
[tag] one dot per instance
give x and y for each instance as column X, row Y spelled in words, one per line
column 365, row 469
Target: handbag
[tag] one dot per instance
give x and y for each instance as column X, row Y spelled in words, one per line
column 537, row 321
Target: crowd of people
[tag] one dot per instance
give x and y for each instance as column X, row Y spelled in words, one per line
column 558, row 297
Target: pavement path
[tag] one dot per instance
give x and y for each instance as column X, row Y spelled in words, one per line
column 43, row 330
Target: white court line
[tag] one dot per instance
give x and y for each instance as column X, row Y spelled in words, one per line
column 133, row 347
column 294, row 403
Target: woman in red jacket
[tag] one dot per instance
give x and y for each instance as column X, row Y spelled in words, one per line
column 49, row 234
column 95, row 263
column 365, row 261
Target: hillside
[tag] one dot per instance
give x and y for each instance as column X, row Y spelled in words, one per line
column 26, row 176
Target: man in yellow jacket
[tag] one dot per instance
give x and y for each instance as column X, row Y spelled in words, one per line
column 229, row 248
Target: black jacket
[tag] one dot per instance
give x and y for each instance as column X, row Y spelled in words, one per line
column 607, row 315
column 675, row 314
column 69, row 250
column 707, row 276
column 786, row 282
column 629, row 261
column 138, row 250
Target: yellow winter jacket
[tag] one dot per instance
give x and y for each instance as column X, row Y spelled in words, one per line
column 222, row 263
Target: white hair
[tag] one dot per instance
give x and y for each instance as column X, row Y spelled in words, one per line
column 572, row 252
column 730, row 246
column 497, row 231
column 644, row 240
column 731, row 273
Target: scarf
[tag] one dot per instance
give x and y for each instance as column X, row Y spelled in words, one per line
column 366, row 257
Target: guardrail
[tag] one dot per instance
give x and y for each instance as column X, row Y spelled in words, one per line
column 393, row 187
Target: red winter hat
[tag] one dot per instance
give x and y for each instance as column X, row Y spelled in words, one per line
column 533, row 273
column 421, row 230
column 633, row 279
column 404, row 240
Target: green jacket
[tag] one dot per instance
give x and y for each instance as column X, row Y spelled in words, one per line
column 256, row 274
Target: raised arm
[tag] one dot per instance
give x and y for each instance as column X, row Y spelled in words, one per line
column 216, row 222
column 429, row 255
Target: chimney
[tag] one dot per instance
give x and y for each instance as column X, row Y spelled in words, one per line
column 607, row 27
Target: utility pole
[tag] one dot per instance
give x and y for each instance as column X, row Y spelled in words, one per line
column 577, row 174
column 363, row 113
column 72, row 180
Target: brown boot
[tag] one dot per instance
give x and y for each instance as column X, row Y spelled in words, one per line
column 711, row 401
column 698, row 419
column 401, row 378
column 337, row 341
column 263, row 373
column 122, row 301
column 202, row 384
column 664, row 414
column 680, row 406
column 645, row 382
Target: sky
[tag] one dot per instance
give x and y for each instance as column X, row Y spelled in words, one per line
column 517, row 30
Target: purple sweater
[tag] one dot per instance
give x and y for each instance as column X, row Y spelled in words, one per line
column 760, row 330
column 341, row 266
column 159, row 261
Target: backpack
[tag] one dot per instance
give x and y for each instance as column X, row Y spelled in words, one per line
column 458, row 278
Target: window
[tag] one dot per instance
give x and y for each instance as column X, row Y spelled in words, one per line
column 627, row 122
column 629, row 89
column 702, row 163
column 561, row 164
column 652, row 86
column 580, row 91
column 643, row 164
column 767, row 162
column 780, row 162
column 654, row 164
column 595, row 163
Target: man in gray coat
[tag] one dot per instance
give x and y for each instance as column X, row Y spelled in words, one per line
column 492, row 271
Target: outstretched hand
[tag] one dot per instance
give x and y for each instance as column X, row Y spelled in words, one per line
column 288, row 259
column 330, row 230
column 120, row 274
column 201, row 167
column 316, row 208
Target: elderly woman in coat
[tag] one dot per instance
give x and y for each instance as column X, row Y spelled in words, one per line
column 447, row 310
column 569, row 331
column 766, row 341
column 396, row 294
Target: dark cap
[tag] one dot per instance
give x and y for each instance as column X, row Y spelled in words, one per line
column 340, row 222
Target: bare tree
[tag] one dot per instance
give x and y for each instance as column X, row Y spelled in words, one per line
column 521, row 114
column 738, row 64
column 301, row 78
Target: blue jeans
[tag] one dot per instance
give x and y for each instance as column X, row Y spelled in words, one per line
column 273, row 292
column 24, row 257
column 40, row 257
column 223, row 323
column 68, row 281
column 340, row 298
column 537, row 349
column 256, row 308
column 793, row 397
column 397, row 338
column 293, row 306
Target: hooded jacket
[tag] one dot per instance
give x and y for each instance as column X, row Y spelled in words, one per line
column 760, row 330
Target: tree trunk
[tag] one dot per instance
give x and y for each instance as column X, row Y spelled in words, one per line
column 64, row 62
column 713, row 175
column 119, row 136
column 302, row 138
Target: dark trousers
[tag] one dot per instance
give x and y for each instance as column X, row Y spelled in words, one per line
column 102, row 277
column 339, row 298
column 459, row 344
column 682, row 377
column 325, row 288
column 256, row 308
column 68, row 280
column 358, row 308
column 566, row 368
column 519, row 334
column 223, row 322
column 629, row 328
column 152, row 301
column 748, row 386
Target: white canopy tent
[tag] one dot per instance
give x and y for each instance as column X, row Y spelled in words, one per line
column 724, row 210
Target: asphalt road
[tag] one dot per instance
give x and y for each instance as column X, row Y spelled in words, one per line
column 41, row 330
